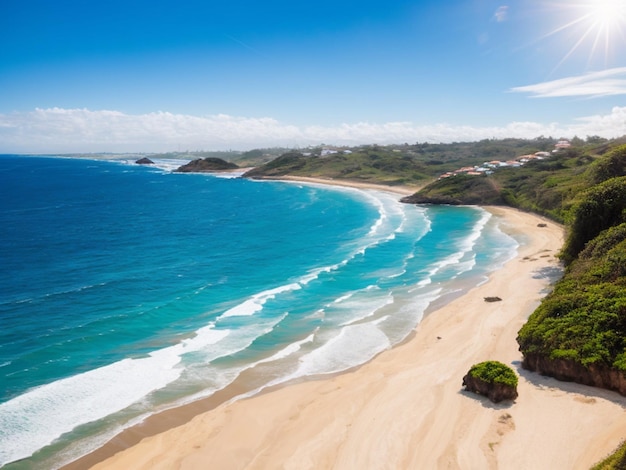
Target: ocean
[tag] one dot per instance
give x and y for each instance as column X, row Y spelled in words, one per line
column 128, row 289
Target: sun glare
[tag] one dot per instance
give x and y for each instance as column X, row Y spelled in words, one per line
column 595, row 26
column 607, row 13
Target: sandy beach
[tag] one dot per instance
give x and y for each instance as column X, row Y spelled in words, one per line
column 406, row 408
column 399, row 189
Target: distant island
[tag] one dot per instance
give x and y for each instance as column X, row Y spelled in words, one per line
column 208, row 164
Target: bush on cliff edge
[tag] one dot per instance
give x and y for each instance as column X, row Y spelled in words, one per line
column 492, row 379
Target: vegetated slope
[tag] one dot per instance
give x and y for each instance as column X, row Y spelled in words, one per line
column 460, row 189
column 578, row 332
column 548, row 187
column 542, row 186
column 371, row 165
column 394, row 164
column 207, row 164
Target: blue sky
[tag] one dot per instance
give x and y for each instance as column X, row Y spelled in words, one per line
column 135, row 75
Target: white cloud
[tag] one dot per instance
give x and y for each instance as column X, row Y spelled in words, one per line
column 501, row 13
column 59, row 130
column 594, row 84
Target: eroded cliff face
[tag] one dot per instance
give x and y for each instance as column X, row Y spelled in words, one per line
column 596, row 375
column 496, row 392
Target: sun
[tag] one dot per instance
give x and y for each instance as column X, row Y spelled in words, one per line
column 595, row 26
column 607, row 14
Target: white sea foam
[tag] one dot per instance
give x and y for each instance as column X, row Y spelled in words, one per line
column 343, row 298
column 39, row 416
column 167, row 164
column 229, row 174
column 215, row 378
column 205, row 336
column 56, row 408
column 463, row 248
column 61, row 406
column 256, row 302
column 354, row 345
column 237, row 340
column 288, row 350
column 365, row 307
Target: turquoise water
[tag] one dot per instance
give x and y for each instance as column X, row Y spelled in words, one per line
column 126, row 289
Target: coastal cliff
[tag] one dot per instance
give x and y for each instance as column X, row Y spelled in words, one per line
column 578, row 333
column 595, row 375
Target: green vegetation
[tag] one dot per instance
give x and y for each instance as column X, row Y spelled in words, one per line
column 599, row 208
column 461, row 189
column 550, row 187
column 584, row 318
column 546, row 187
column 371, row 164
column 207, row 164
column 406, row 164
column 616, row 461
column 494, row 372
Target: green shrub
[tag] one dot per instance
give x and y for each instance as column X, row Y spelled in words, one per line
column 599, row 208
column 612, row 165
column 494, row 372
column 584, row 318
column 616, row 461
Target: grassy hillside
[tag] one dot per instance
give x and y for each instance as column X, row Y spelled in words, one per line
column 584, row 319
column 395, row 164
column 545, row 187
column 370, row 164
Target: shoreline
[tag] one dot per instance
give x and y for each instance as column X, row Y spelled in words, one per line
column 400, row 189
column 404, row 408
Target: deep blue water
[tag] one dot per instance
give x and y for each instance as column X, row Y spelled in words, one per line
column 126, row 289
